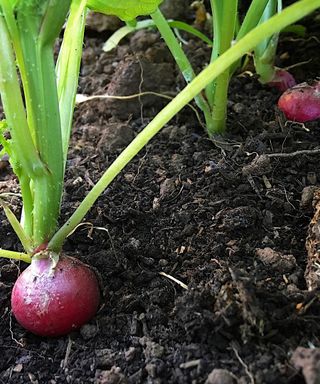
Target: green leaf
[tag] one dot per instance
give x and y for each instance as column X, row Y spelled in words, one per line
column 297, row 29
column 124, row 9
column 36, row 7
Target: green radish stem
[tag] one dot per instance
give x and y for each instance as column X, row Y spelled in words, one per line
column 15, row 255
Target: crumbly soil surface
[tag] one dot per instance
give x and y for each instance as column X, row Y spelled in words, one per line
column 200, row 245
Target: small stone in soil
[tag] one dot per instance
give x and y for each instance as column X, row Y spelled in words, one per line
column 130, row 353
column 167, row 187
column 308, row 361
column 115, row 136
column 88, row 331
column 261, row 165
column 163, row 262
column 221, row 376
column 271, row 258
column 307, row 197
column 104, row 357
column 153, row 349
column 113, row 376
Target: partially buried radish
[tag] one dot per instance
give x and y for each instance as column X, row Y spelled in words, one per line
column 282, row 80
column 301, row 103
column 52, row 299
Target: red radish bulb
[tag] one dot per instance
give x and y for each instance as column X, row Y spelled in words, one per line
column 282, row 80
column 53, row 301
column 301, row 103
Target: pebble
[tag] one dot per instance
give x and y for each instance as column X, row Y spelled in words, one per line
column 88, row 331
column 163, row 262
column 221, row 376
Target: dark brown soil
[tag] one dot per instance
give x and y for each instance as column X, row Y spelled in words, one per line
column 221, row 218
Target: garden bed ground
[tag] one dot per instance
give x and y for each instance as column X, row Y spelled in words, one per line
column 200, row 212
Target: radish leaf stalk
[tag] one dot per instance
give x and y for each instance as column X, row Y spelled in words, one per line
column 181, row 60
column 224, row 24
column 32, row 31
column 68, row 68
column 15, row 255
column 265, row 52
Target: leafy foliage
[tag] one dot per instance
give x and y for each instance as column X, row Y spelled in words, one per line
column 125, row 9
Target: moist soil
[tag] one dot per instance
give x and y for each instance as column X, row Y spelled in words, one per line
column 199, row 243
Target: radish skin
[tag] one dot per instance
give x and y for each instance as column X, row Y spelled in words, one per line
column 53, row 300
column 282, row 80
column 301, row 103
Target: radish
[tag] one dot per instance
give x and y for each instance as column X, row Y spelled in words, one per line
column 282, row 80
column 53, row 298
column 301, row 103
